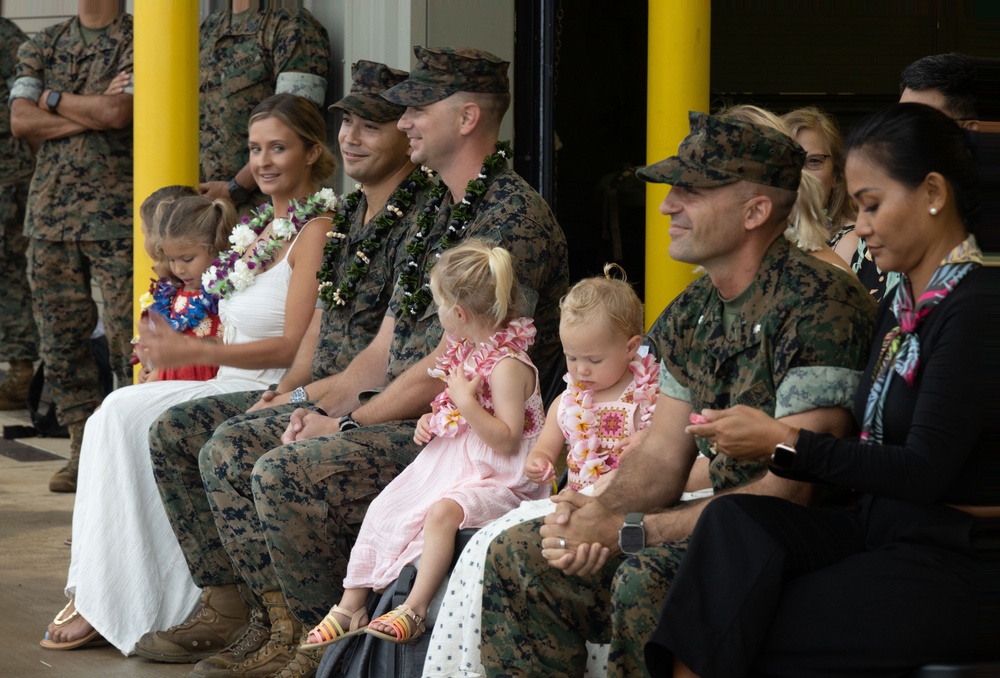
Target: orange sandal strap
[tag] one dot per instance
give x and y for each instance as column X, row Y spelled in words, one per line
column 407, row 625
column 331, row 629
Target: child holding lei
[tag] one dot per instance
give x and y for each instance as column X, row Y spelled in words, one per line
column 478, row 433
column 187, row 248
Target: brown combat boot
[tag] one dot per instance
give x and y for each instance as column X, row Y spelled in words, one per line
column 64, row 480
column 219, row 665
column 279, row 649
column 14, row 389
column 304, row 664
column 218, row 624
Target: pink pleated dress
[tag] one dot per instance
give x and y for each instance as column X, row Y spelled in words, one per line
column 455, row 465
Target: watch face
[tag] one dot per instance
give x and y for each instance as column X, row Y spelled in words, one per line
column 783, row 457
column 632, row 538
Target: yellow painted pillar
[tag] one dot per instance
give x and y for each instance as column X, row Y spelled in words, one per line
column 166, row 109
column 678, row 72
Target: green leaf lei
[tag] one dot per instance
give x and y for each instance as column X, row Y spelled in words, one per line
column 399, row 201
column 416, row 288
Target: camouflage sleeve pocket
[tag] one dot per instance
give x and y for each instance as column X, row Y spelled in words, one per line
column 238, row 79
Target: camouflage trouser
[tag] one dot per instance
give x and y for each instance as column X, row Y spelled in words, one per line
column 279, row 516
column 537, row 619
column 18, row 336
column 175, row 441
column 60, row 274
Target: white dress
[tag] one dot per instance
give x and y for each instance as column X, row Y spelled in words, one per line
column 127, row 571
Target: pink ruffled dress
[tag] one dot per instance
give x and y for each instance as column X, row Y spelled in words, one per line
column 455, row 465
column 593, row 429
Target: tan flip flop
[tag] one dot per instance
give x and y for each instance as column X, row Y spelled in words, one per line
column 61, row 620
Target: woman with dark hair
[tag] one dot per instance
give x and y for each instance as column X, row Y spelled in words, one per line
column 127, row 574
column 771, row 588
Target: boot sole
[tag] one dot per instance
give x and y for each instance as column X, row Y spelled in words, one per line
column 174, row 658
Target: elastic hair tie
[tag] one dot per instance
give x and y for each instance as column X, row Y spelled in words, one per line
column 615, row 268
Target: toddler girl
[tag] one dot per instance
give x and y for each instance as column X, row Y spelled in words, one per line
column 609, row 394
column 189, row 239
column 485, row 422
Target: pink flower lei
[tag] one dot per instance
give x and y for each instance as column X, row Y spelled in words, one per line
column 583, row 423
column 446, row 420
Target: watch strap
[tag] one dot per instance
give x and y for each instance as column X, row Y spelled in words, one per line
column 347, row 423
column 792, row 439
column 237, row 193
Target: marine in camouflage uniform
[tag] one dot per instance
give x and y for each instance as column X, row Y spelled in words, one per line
column 243, row 59
column 79, row 215
column 797, row 343
column 18, row 335
column 288, row 518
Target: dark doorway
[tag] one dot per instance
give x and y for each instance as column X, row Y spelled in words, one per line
column 597, row 88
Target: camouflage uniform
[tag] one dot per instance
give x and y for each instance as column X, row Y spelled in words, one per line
column 798, row 343
column 18, row 336
column 244, row 59
column 291, row 520
column 79, row 216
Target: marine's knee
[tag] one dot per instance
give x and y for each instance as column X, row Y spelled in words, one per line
column 217, row 453
column 268, row 473
column 164, row 433
column 515, row 549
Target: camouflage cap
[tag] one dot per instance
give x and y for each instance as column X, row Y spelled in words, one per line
column 442, row 71
column 720, row 151
column 369, row 80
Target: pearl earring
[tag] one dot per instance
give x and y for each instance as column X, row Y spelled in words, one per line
column 933, row 211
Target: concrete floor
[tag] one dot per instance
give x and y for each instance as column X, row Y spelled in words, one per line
column 34, row 525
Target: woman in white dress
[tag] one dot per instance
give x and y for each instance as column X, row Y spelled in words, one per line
column 127, row 574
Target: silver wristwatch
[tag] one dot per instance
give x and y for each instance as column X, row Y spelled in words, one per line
column 299, row 395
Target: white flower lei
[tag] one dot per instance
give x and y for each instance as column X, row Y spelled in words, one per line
column 232, row 272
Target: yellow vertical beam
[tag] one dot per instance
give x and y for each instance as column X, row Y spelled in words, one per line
column 166, row 109
column 678, row 72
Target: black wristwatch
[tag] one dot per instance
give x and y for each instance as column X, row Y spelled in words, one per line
column 347, row 423
column 632, row 535
column 237, row 193
column 52, row 100
column 783, row 458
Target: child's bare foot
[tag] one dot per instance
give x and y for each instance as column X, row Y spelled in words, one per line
column 339, row 623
